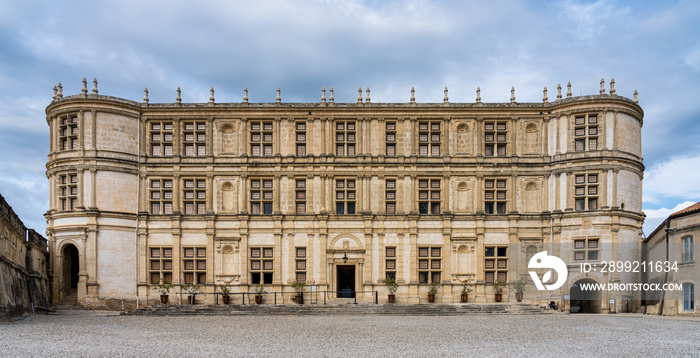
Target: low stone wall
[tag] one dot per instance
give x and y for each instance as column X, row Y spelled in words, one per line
column 20, row 290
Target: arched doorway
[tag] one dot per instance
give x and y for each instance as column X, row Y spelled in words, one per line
column 585, row 301
column 70, row 271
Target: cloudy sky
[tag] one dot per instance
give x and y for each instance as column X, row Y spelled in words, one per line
column 389, row 46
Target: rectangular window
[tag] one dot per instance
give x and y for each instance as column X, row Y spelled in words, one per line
column 300, row 196
column 194, row 135
column 390, row 263
column 429, row 138
column 688, row 297
column 586, row 191
column 429, row 264
column 429, row 196
column 345, row 196
column 161, row 196
column 687, row 243
column 261, row 265
column 68, row 133
column 194, row 196
column 161, row 138
column 345, row 138
column 586, row 250
column 495, row 196
column 160, row 264
column 496, row 264
column 300, row 129
column 586, row 132
column 390, row 131
column 300, row 265
column 261, row 196
column 495, row 138
column 261, row 138
column 194, row 265
column 390, row 196
column 68, row 191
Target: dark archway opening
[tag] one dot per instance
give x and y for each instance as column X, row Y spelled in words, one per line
column 71, row 267
column 584, row 299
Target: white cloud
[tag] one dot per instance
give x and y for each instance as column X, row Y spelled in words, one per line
column 677, row 178
column 654, row 217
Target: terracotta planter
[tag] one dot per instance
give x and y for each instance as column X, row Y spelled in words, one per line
column 164, row 299
column 519, row 296
column 226, row 299
column 431, row 298
column 392, row 298
column 498, row 297
column 463, row 297
column 190, row 299
column 258, row 299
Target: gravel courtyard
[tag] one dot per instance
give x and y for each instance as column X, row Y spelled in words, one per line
column 99, row 333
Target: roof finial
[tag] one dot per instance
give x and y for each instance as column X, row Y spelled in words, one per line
column 359, row 95
column 94, row 85
column 178, row 99
column 211, row 94
column 446, row 99
column 512, row 95
column 478, row 95
column 636, row 96
column 323, row 94
column 245, row 94
column 568, row 90
column 602, row 86
column 145, row 95
column 84, row 89
column 279, row 98
column 367, row 99
column 545, row 99
column 331, row 99
column 559, row 92
column 413, row 95
column 55, row 93
column 612, row 87
column 60, row 90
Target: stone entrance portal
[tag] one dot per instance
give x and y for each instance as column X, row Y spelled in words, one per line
column 585, row 301
column 346, row 281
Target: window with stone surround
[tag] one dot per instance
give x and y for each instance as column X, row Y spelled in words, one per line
column 390, row 262
column 301, row 138
column 194, row 265
column 495, row 196
column 345, row 138
column 688, row 297
column 261, row 196
column 261, row 139
column 68, row 191
column 390, row 139
column 586, row 132
column 586, row 249
column 194, row 196
column 429, row 138
column 390, row 193
column 300, row 196
column 586, row 191
column 687, row 249
column 429, row 264
column 496, row 264
column 194, row 134
column 261, row 265
column 160, row 264
column 161, row 138
column 429, row 196
column 68, row 132
column 495, row 138
column 161, row 196
column 300, row 264
column 345, row 196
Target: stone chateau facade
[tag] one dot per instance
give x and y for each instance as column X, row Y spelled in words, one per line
column 339, row 195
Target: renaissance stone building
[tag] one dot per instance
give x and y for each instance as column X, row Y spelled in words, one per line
column 338, row 195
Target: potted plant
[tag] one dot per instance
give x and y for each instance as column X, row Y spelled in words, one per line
column 225, row 290
column 466, row 288
column 299, row 298
column 163, row 286
column 191, row 290
column 432, row 290
column 393, row 286
column 498, row 287
column 519, row 287
column 259, row 291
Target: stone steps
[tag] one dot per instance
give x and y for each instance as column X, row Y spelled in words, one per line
column 345, row 309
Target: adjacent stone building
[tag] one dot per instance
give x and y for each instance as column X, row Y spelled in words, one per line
column 338, row 195
column 674, row 241
column 23, row 266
